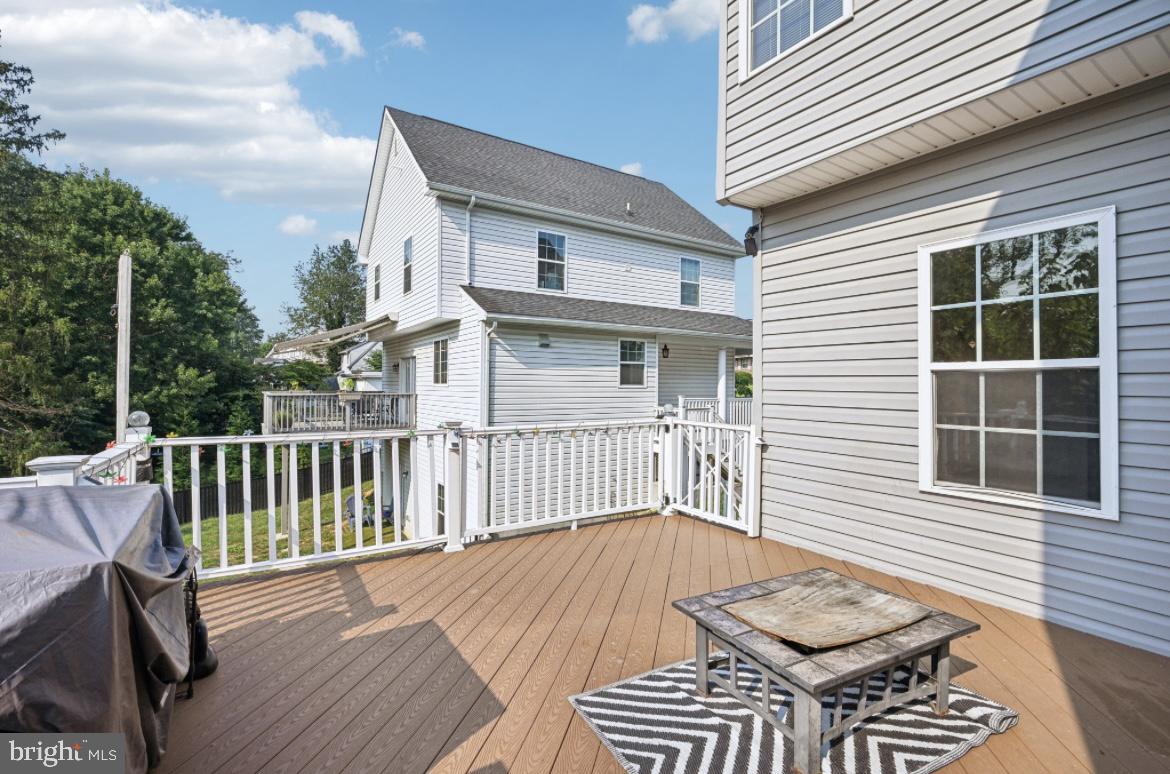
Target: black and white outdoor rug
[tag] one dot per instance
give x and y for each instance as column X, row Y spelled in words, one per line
column 657, row 723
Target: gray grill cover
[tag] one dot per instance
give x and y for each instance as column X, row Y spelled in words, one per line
column 93, row 634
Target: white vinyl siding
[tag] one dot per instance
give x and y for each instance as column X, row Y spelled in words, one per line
column 897, row 64
column 606, row 267
column 692, row 370
column 1013, row 335
column 574, row 379
column 838, row 371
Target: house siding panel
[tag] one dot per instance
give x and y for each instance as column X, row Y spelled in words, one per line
column 692, row 370
column 897, row 63
column 600, row 266
column 575, row 379
column 840, row 469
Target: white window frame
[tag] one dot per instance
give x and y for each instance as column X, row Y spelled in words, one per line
column 407, row 265
column 1106, row 363
column 645, row 363
column 441, row 353
column 564, row 262
column 745, row 37
column 681, row 282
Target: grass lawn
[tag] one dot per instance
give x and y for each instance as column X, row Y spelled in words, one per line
column 209, row 530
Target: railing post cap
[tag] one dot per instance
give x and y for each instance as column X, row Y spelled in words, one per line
column 61, row 462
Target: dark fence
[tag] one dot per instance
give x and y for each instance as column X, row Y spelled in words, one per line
column 209, row 493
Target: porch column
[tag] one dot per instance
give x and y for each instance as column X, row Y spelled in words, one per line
column 721, row 390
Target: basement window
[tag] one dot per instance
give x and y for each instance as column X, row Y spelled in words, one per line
column 1018, row 365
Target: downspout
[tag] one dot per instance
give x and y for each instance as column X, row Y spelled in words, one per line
column 485, row 384
column 439, row 250
column 467, row 258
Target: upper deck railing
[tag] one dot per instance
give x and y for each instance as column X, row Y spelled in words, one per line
column 314, row 412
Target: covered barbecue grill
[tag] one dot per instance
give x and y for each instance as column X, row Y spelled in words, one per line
column 93, row 633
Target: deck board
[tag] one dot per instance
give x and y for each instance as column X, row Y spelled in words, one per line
column 463, row 662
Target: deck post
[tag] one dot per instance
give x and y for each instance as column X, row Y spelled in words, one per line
column 456, row 518
column 721, row 391
column 57, row 471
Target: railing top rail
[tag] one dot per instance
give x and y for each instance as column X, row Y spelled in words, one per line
column 716, row 425
column 561, row 426
column 299, row 437
column 328, row 393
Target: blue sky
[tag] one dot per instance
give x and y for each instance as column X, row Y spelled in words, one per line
column 257, row 121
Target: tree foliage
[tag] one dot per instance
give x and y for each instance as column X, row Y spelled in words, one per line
column 743, row 384
column 331, row 293
column 193, row 336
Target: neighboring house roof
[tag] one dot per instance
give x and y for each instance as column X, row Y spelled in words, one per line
column 465, row 159
column 514, row 303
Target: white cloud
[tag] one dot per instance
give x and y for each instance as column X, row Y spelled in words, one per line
column 158, row 90
column 340, row 32
column 633, row 168
column 408, row 39
column 298, row 225
column 690, row 18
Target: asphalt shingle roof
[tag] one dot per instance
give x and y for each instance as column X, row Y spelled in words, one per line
column 483, row 163
column 521, row 304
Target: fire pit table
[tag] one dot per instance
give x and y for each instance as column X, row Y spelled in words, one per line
column 816, row 634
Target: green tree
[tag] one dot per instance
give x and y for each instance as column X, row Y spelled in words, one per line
column 18, row 127
column 743, row 384
column 331, row 293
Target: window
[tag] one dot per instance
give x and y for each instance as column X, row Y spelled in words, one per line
column 632, row 363
column 688, row 274
column 778, row 26
column 377, row 282
column 441, row 507
column 550, row 261
column 407, row 258
column 1018, row 367
column 439, row 373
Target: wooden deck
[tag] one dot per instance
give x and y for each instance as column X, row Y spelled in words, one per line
column 462, row 662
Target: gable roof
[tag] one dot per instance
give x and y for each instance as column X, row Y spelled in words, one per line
column 465, row 159
column 515, row 303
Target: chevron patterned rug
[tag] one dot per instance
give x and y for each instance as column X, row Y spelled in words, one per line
column 657, row 723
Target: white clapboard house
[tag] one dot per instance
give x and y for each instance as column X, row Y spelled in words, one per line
column 510, row 285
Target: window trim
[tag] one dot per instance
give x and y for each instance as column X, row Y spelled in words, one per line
column 407, row 265
column 699, row 261
column 442, row 345
column 564, row 263
column 645, row 365
column 1106, row 363
column 746, row 70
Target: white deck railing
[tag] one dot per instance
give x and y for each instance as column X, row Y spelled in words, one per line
column 739, row 410
column 307, row 412
column 712, row 474
column 381, row 511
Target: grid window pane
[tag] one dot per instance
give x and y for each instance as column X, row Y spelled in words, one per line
column 1010, row 462
column 550, row 275
column 550, row 263
column 1010, row 400
column 1069, row 327
column 377, row 282
column 1072, row 400
column 1072, row 468
column 1007, row 331
column 957, row 457
column 761, row 8
column 826, row 12
column 689, row 294
column 633, row 352
column 954, row 335
column 764, row 41
column 633, row 375
column 1068, row 258
column 795, row 23
column 689, row 270
column 439, row 366
column 956, row 398
column 952, row 276
column 1007, row 268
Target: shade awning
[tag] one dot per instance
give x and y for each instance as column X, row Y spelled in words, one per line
column 326, row 339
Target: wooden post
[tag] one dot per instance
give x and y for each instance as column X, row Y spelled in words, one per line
column 456, row 518
column 122, row 368
column 807, row 730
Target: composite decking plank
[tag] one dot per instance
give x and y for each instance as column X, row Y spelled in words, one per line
column 523, row 689
column 394, row 666
column 458, row 682
column 580, row 746
column 466, row 632
column 700, row 580
column 673, row 628
column 278, row 683
column 1034, row 740
column 639, row 655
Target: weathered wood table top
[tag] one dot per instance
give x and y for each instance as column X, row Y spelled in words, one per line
column 820, row 670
